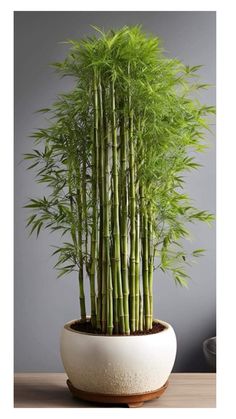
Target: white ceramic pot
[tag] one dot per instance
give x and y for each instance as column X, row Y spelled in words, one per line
column 118, row 364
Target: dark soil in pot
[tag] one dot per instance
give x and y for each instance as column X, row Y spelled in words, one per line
column 86, row 327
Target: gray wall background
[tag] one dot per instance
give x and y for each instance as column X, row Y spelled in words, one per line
column 42, row 302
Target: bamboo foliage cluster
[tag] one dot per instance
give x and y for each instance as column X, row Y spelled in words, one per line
column 113, row 158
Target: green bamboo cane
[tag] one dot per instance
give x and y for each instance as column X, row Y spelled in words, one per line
column 76, row 227
column 138, row 227
column 109, row 289
column 124, row 217
column 150, row 264
column 140, row 325
column 104, row 282
column 146, row 300
column 146, row 273
column 141, row 299
column 115, row 293
column 132, row 203
column 94, row 235
column 73, row 230
column 96, row 103
column 80, row 244
column 106, row 278
column 102, row 128
column 137, row 268
column 146, row 309
column 85, row 224
column 114, row 270
column 111, row 309
column 116, row 226
column 110, row 325
column 84, row 199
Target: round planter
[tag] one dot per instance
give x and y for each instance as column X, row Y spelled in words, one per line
column 209, row 349
column 112, row 368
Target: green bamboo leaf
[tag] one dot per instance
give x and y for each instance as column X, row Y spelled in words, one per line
column 63, row 272
column 39, row 228
column 98, row 30
column 33, row 165
column 35, row 225
column 198, row 252
column 31, row 219
column 181, row 281
column 30, row 156
column 43, row 110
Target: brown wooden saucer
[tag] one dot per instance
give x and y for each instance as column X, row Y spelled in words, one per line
column 132, row 400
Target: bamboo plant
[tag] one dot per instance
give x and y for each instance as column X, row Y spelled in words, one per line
column 113, row 158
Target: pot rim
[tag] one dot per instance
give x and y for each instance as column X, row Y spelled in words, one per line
column 67, row 326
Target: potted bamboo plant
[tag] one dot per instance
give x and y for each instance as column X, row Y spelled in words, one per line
column 113, row 159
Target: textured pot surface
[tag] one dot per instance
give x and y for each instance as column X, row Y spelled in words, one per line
column 118, row 364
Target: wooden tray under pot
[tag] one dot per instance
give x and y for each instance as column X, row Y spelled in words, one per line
column 132, row 400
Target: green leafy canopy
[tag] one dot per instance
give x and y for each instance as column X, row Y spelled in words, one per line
column 155, row 106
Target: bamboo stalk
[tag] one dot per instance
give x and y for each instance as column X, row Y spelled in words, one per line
column 80, row 253
column 107, row 303
column 102, row 128
column 108, row 284
column 146, row 300
column 150, row 264
column 140, row 325
column 112, row 296
column 76, row 227
column 110, row 326
column 84, row 221
column 132, row 204
column 116, row 226
column 115, row 293
column 141, row 300
column 138, row 297
column 84, row 201
column 137, row 270
column 73, row 229
column 104, row 291
column 105, row 231
column 146, row 271
column 124, row 218
column 94, row 235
